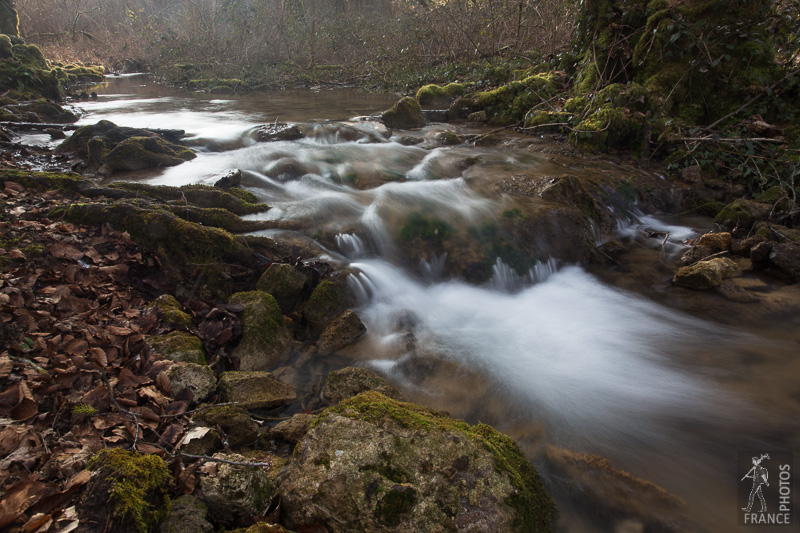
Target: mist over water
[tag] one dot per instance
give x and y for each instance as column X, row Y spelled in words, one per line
column 551, row 355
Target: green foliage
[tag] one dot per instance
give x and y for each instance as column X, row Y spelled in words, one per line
column 83, row 409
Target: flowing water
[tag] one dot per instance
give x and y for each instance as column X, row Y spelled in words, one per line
column 555, row 356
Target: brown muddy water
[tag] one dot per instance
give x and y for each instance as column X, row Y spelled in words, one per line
column 671, row 386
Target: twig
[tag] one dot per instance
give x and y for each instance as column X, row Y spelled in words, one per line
column 728, row 139
column 227, row 462
column 200, row 409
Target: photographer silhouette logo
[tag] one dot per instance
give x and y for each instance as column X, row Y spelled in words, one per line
column 765, row 488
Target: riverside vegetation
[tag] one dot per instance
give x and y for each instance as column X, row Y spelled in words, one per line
column 146, row 344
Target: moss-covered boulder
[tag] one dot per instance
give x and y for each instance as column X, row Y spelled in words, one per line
column 510, row 103
column 24, row 70
column 137, row 153
column 235, row 493
column 128, row 492
column 255, row 390
column 108, row 147
column 436, row 94
column 375, row 464
column 179, row 346
column 266, row 340
column 187, row 515
column 239, row 429
column 742, row 214
column 352, row 381
column 705, row 274
column 286, row 284
column 405, row 114
column 330, row 298
column 237, row 201
column 171, row 311
column 295, row 428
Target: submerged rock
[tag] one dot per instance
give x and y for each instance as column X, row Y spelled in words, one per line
column 351, row 381
column 786, row 258
column 405, row 114
column 614, row 494
column 375, row 464
column 705, row 274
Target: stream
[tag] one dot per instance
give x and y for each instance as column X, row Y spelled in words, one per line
column 595, row 360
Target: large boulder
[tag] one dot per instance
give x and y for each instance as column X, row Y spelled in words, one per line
column 375, row 464
column 705, row 274
column 351, row 381
column 285, row 283
column 266, row 339
column 137, row 153
column 255, row 390
column 236, row 493
column 405, row 114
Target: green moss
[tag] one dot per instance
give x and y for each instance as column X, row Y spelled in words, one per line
column 431, row 93
column 548, row 121
column 237, row 201
column 419, row 226
column 262, row 317
column 46, row 181
column 137, row 486
column 534, row 506
column 513, row 213
column 179, row 346
column 172, row 311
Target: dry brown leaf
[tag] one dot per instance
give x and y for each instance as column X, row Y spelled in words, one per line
column 77, row 347
column 26, row 406
column 18, row 498
column 98, row 355
column 163, row 383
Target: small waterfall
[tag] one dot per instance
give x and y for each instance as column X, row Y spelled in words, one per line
column 505, row 279
column 433, row 270
column 351, row 245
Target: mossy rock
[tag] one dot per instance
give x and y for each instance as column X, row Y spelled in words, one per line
column 137, row 153
column 176, row 241
column 510, row 103
column 742, row 213
column 705, row 274
column 80, row 72
column 255, row 390
column 328, row 300
column 47, row 181
column 351, row 381
column 24, row 69
column 187, row 515
column 238, row 201
column 240, row 430
column 432, row 93
column 179, row 346
column 286, row 284
column 236, row 493
column 405, row 114
column 266, row 340
column 217, row 217
column 372, row 463
column 128, row 492
column 171, row 311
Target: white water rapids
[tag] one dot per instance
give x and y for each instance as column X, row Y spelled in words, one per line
column 553, row 356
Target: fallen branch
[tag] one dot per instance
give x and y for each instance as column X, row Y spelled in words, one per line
column 728, row 139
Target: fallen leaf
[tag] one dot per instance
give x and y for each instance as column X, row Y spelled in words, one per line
column 77, row 347
column 18, row 498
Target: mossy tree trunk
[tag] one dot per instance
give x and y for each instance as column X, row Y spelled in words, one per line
column 9, row 19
